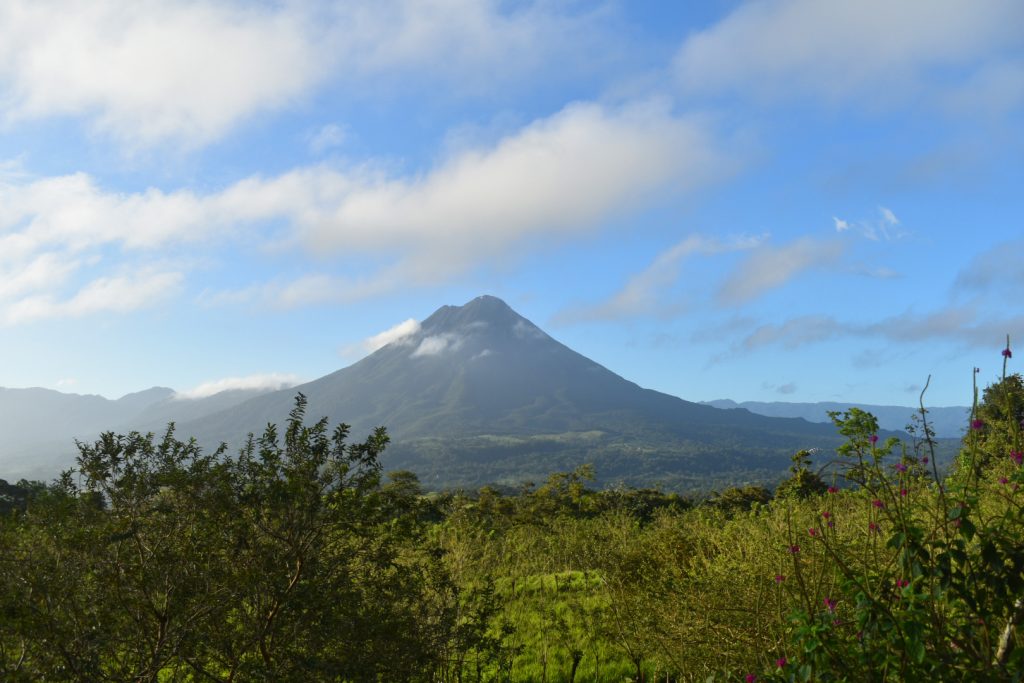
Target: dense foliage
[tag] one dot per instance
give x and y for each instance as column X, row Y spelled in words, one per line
column 298, row 561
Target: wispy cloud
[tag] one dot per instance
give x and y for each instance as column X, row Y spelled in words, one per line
column 769, row 267
column 330, row 136
column 885, row 228
column 266, row 382
column 784, row 389
column 958, row 324
column 1000, row 267
column 643, row 293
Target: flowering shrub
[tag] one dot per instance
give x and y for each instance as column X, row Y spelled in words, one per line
column 933, row 587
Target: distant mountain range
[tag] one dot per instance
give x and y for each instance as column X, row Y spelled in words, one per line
column 478, row 394
column 948, row 422
column 38, row 427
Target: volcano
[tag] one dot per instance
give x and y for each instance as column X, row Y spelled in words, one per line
column 479, row 394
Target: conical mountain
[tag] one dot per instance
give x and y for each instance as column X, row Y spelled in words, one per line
column 480, row 394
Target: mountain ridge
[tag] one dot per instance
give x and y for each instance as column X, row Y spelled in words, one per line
column 949, row 422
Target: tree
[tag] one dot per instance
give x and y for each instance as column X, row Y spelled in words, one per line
column 161, row 562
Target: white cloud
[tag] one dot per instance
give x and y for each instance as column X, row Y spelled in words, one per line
column 864, row 51
column 888, row 217
column 400, row 333
column 72, row 213
column 643, row 293
column 768, row 268
column 560, row 176
column 267, row 382
column 145, row 71
column 118, row 294
column 435, row 345
column 841, row 225
column 151, row 71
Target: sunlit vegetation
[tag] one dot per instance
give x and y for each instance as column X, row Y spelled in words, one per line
column 299, row 561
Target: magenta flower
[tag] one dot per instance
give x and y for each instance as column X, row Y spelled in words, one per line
column 779, row 578
column 977, row 425
column 831, row 524
column 1004, row 480
column 904, row 492
column 872, row 526
column 1007, row 353
column 833, row 489
column 751, row 678
column 830, row 604
column 924, row 460
column 826, row 514
column 794, row 549
column 812, row 531
column 902, row 583
column 1017, row 457
column 781, row 662
column 877, row 503
column 873, row 439
column 900, row 467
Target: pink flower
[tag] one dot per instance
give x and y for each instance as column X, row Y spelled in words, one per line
column 781, row 662
column 904, row 492
column 833, row 489
column 812, row 531
column 872, row 526
column 750, row 678
column 1004, row 480
column 977, row 425
column 902, row 583
column 830, row 604
column 1007, row 353
column 779, row 578
column 794, row 549
column 877, row 503
column 826, row 514
column 1017, row 457
column 900, row 467
column 924, row 460
column 831, row 524
column 873, row 439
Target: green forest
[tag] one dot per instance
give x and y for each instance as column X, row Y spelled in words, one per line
column 298, row 559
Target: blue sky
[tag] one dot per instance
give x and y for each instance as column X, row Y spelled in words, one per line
column 775, row 200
